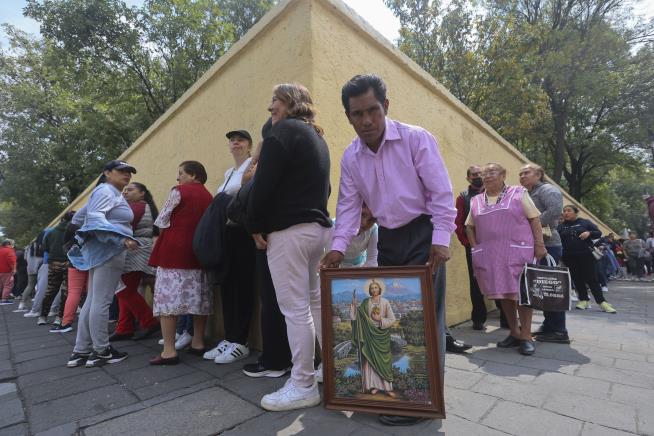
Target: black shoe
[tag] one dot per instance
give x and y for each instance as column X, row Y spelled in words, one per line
column 478, row 326
column 509, row 342
column 455, row 346
column 555, row 337
column 77, row 359
column 399, row 420
column 144, row 334
column 115, row 337
column 527, row 348
column 62, row 328
column 258, row 370
column 108, row 355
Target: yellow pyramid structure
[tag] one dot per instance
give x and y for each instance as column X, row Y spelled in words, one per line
column 321, row 44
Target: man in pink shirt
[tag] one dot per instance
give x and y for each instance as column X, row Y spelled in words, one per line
column 397, row 170
column 7, row 270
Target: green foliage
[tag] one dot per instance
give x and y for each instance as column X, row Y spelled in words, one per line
column 571, row 83
column 102, row 73
column 413, row 327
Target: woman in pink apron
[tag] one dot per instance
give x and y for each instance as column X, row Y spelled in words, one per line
column 505, row 233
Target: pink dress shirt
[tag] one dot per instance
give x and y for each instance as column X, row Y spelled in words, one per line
column 406, row 178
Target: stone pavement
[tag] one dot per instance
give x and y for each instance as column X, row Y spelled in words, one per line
column 601, row 384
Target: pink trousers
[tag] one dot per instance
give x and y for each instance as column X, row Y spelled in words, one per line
column 293, row 257
column 6, row 284
column 77, row 285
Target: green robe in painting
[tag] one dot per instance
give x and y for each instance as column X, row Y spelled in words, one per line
column 374, row 342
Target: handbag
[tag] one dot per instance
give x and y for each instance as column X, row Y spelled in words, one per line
column 596, row 252
column 546, row 287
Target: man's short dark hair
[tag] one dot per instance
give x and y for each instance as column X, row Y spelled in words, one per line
column 359, row 85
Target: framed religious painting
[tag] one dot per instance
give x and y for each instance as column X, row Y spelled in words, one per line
column 380, row 343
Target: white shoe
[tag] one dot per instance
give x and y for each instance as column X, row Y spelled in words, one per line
column 183, row 341
column 233, row 353
column 605, row 289
column 161, row 340
column 51, row 314
column 291, row 397
column 57, row 321
column 21, row 308
column 31, row 314
column 319, row 374
column 217, row 351
column 42, row 320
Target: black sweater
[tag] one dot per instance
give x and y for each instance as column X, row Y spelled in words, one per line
column 570, row 231
column 291, row 185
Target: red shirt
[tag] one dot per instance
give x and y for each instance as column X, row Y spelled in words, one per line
column 7, row 259
column 174, row 247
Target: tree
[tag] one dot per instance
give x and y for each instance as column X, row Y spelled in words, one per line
column 569, row 82
column 102, row 73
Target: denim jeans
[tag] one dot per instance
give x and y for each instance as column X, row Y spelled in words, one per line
column 554, row 321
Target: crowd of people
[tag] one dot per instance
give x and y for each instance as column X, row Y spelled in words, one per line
column 395, row 207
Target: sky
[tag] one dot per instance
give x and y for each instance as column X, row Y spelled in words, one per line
column 374, row 12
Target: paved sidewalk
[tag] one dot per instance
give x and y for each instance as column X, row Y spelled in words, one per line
column 601, row 384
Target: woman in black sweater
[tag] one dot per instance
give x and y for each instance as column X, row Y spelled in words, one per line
column 287, row 214
column 576, row 236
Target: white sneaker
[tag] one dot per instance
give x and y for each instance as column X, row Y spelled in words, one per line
column 217, row 351
column 161, row 340
column 319, row 374
column 51, row 314
column 57, row 321
column 21, row 308
column 573, row 297
column 291, row 397
column 183, row 341
column 42, row 320
column 31, row 314
column 605, row 289
column 233, row 353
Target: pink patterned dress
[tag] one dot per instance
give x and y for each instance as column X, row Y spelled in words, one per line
column 505, row 242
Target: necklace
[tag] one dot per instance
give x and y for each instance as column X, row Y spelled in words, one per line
column 499, row 198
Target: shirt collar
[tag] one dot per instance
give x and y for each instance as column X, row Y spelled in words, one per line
column 390, row 134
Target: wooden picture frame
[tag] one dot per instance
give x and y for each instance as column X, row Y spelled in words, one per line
column 402, row 326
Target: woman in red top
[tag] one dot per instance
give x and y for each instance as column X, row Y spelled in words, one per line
column 181, row 287
column 7, row 270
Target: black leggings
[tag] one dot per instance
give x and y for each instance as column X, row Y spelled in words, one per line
column 583, row 272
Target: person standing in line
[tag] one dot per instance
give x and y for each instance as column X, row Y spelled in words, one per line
column 103, row 239
column 475, row 187
column 548, row 199
column 41, row 278
column 505, row 233
column 132, row 305
column 577, row 236
column 53, row 243
column 275, row 358
column 7, row 270
column 237, row 289
column 34, row 260
column 287, row 213
column 397, row 170
column 181, row 287
column 635, row 252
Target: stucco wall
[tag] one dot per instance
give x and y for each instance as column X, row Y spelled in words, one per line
column 321, row 44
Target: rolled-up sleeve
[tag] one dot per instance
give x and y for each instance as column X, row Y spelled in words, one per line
column 348, row 208
column 440, row 199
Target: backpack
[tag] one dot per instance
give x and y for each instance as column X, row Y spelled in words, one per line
column 209, row 236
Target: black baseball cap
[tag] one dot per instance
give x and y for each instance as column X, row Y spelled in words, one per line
column 119, row 165
column 243, row 133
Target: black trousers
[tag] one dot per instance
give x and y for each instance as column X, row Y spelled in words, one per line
column 584, row 276
column 237, row 289
column 276, row 353
column 479, row 311
column 411, row 245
